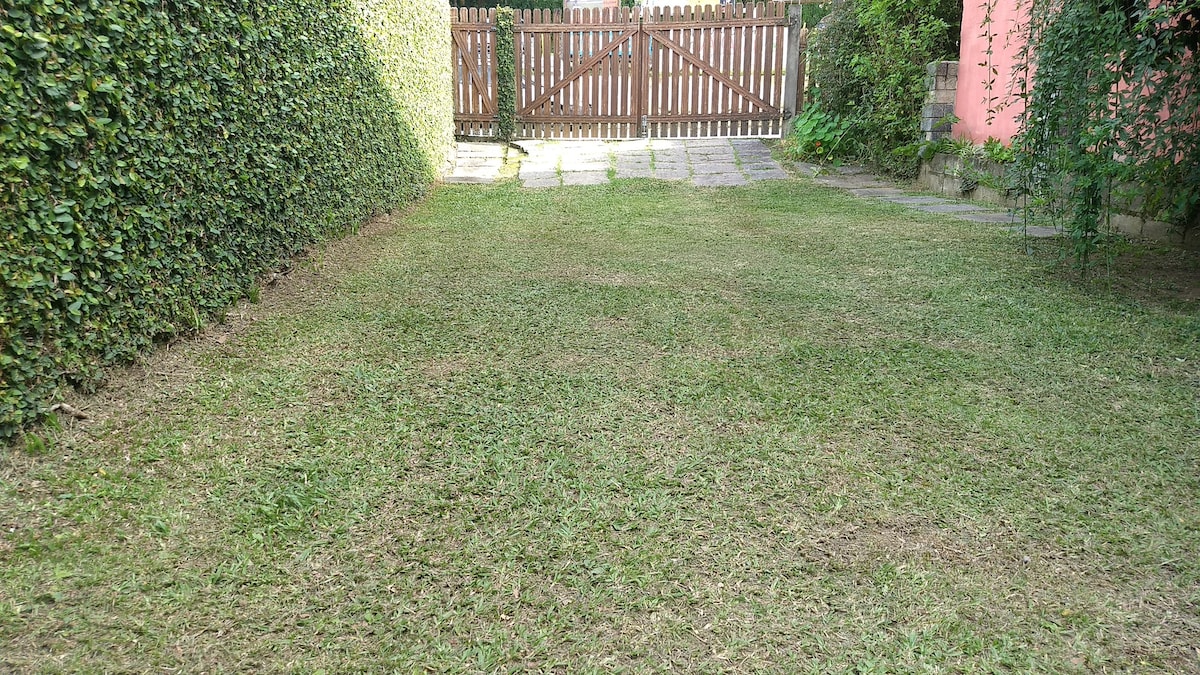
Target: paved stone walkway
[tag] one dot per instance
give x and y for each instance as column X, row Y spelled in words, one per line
column 857, row 181
column 703, row 162
column 721, row 161
column 478, row 162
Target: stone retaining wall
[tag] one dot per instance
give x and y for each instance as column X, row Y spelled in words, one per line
column 943, row 174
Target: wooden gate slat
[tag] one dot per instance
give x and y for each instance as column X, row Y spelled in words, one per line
column 476, row 76
column 577, row 71
column 713, row 72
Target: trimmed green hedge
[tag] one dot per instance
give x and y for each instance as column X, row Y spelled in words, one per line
column 157, row 156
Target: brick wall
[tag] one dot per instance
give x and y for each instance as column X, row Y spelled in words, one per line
column 942, row 81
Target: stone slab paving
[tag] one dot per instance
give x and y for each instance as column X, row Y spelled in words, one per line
column 860, row 183
column 910, row 200
column 716, row 179
column 766, row 174
column 702, row 161
column 852, row 182
column 1002, row 217
column 584, row 177
column 1037, row 231
column 477, row 163
column 877, row 192
column 948, row 207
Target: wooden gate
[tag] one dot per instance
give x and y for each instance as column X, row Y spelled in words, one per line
column 630, row 72
column 473, row 32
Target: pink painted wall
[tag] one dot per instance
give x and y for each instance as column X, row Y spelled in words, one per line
column 971, row 102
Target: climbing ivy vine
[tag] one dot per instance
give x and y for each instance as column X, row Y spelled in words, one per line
column 1112, row 114
column 506, row 79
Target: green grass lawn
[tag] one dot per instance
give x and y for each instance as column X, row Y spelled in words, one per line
column 637, row 427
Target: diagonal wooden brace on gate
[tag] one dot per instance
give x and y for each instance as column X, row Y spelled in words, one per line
column 586, row 65
column 656, row 34
column 471, row 67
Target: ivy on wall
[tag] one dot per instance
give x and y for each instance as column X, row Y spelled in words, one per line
column 506, row 77
column 156, row 156
column 1112, row 114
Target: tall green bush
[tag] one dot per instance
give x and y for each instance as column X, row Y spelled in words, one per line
column 156, row 156
column 869, row 59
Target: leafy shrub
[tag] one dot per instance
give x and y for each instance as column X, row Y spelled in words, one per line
column 869, row 59
column 506, row 80
column 158, row 155
column 819, row 136
column 835, row 45
column 813, row 14
column 998, row 152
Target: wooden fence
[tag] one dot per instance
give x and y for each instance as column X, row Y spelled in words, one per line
column 629, row 72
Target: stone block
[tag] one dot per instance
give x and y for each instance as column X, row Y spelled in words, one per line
column 769, row 174
column 481, row 149
column 877, row 192
column 910, row 200
column 467, row 161
column 759, row 165
column 1000, row 217
column 470, row 179
column 671, row 174
column 577, row 166
column 1036, row 231
column 698, row 143
column 719, row 179
column 635, row 172
column 585, row 178
column 708, row 168
column 948, row 208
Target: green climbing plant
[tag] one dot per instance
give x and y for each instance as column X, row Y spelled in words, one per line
column 506, row 78
column 1112, row 115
